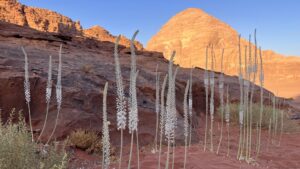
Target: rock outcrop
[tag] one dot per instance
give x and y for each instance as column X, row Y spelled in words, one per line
column 102, row 34
column 87, row 65
column 192, row 30
column 49, row 21
column 40, row 19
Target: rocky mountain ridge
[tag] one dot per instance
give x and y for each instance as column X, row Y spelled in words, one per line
column 49, row 21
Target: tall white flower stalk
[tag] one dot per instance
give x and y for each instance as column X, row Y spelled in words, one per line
column 105, row 133
column 221, row 91
column 48, row 94
column 243, row 117
column 162, row 117
column 58, row 94
column 261, row 79
column 190, row 103
column 212, row 107
column 241, row 105
column 156, row 107
column 253, row 71
column 27, row 90
column 133, row 107
column 120, row 101
column 170, row 123
column 248, row 101
column 269, row 133
column 186, row 122
column 206, row 85
column 227, row 119
column 174, row 115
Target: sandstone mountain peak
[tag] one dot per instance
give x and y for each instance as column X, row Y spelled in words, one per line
column 194, row 25
column 194, row 12
column 189, row 33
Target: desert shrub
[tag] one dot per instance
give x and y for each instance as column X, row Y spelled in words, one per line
column 18, row 151
column 85, row 140
column 288, row 125
column 87, row 68
column 88, row 141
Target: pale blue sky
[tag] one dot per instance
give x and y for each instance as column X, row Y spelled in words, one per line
column 277, row 21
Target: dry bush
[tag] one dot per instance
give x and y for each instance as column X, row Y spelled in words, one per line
column 85, row 140
column 87, row 68
column 18, row 151
column 88, row 141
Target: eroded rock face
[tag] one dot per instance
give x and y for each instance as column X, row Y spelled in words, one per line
column 100, row 33
column 192, row 30
column 41, row 19
column 49, row 21
column 87, row 64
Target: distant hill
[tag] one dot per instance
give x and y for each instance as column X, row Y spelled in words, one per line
column 190, row 31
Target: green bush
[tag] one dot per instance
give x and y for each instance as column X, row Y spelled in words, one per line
column 288, row 125
column 18, row 151
column 234, row 114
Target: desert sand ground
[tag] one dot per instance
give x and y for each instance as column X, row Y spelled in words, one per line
column 273, row 156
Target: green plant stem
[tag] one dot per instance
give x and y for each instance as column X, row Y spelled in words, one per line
column 55, row 125
column 222, row 121
column 160, row 146
column 30, row 123
column 254, row 70
column 206, row 117
column 156, row 132
column 228, row 140
column 273, row 120
column 45, row 122
column 281, row 131
column 269, row 133
column 137, row 149
column 173, row 155
column 103, row 158
column 206, row 99
column 211, row 136
column 130, row 154
column 121, row 149
column 261, row 103
column 157, row 110
column 162, row 118
column 276, row 123
column 241, row 107
column 185, row 153
column 168, row 155
column 240, row 152
column 190, row 133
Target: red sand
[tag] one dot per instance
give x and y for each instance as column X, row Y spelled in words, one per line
column 285, row 156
